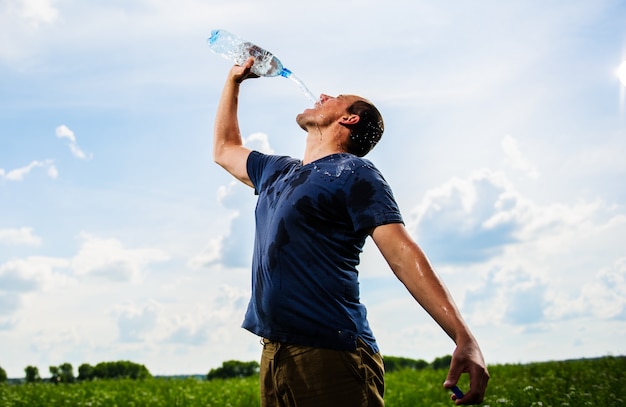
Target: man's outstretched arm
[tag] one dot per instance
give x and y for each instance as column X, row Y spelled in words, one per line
column 413, row 269
column 228, row 149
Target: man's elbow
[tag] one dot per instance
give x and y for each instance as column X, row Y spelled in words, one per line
column 216, row 157
column 225, row 158
column 222, row 163
column 219, row 155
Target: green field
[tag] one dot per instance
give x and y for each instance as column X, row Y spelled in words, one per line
column 590, row 382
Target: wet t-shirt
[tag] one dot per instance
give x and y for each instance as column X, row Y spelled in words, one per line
column 311, row 224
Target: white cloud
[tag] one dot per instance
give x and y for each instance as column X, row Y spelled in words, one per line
column 233, row 247
column 53, row 172
column 19, row 174
column 206, row 322
column 33, row 272
column 472, row 219
column 154, row 322
column 603, row 296
column 516, row 159
column 210, row 255
column 190, row 330
column 37, row 12
column 21, row 236
column 137, row 323
column 20, row 23
column 64, row 132
column 513, row 293
column 21, row 277
column 508, row 295
column 32, row 13
column 109, row 259
column 56, row 344
column 469, row 220
column 259, row 142
column 237, row 242
column 571, row 268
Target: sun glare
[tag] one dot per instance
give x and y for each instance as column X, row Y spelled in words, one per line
column 621, row 73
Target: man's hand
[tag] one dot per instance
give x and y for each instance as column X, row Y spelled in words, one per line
column 467, row 358
column 240, row 73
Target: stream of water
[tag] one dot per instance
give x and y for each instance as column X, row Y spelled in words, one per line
column 303, row 87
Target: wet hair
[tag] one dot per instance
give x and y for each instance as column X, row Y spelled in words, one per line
column 366, row 133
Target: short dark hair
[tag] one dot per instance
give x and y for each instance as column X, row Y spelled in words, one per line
column 366, row 133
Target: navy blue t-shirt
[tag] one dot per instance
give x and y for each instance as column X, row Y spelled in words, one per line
column 311, row 224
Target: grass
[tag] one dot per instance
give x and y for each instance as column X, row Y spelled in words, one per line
column 588, row 382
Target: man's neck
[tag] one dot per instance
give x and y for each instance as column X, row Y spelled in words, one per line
column 309, row 157
column 321, row 143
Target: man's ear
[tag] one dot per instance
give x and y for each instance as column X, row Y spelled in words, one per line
column 350, row 119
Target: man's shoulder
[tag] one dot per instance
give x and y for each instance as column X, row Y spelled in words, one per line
column 259, row 157
column 362, row 166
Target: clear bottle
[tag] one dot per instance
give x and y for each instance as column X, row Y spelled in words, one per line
column 237, row 50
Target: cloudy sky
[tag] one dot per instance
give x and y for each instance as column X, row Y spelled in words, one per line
column 504, row 145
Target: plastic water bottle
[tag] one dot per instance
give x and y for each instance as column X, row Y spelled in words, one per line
column 238, row 51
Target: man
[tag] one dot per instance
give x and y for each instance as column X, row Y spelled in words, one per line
column 312, row 219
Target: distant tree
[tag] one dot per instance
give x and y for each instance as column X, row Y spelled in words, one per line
column 67, row 373
column 442, row 362
column 233, row 368
column 119, row 370
column 32, row 374
column 394, row 363
column 3, row 375
column 62, row 374
column 55, row 377
column 85, row 372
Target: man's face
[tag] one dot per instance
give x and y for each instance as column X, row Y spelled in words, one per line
column 326, row 111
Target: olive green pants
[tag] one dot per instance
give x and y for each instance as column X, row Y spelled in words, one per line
column 302, row 376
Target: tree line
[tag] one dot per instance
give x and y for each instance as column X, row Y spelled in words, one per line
column 393, row 363
column 230, row 369
column 64, row 373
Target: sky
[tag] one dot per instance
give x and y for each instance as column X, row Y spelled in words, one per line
column 121, row 239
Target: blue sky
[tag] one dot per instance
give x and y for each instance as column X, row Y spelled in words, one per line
column 504, row 145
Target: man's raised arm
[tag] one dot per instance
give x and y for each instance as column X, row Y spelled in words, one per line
column 228, row 149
